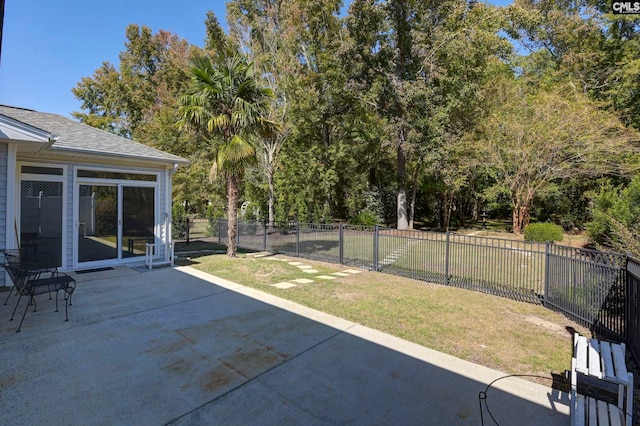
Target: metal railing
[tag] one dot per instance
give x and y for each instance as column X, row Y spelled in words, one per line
column 598, row 290
column 589, row 287
column 632, row 310
column 513, row 269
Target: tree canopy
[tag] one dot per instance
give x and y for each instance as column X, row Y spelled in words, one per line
column 226, row 102
column 408, row 113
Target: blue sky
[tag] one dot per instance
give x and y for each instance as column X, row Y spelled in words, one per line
column 48, row 46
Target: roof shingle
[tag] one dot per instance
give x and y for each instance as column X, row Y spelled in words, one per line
column 77, row 137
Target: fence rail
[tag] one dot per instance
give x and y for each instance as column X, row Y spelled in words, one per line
column 598, row 290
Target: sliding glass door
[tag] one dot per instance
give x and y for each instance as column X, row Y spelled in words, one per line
column 115, row 221
column 98, row 223
column 138, row 220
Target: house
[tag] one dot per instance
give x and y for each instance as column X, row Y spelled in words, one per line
column 79, row 196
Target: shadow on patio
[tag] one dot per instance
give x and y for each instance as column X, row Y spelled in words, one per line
column 175, row 346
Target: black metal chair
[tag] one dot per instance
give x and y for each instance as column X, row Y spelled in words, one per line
column 21, row 256
column 30, row 280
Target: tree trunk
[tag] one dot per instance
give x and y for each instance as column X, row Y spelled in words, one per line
column 412, row 207
column 447, row 210
column 232, row 214
column 403, row 222
column 476, row 209
column 270, row 202
column 521, row 215
column 414, row 191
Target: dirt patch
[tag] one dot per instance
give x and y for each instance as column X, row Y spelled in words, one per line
column 549, row 326
column 347, row 296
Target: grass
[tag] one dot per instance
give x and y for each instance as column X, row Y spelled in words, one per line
column 510, row 336
column 500, row 263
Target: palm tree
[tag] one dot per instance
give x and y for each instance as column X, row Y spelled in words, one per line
column 227, row 101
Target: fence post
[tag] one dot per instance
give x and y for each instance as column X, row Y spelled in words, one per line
column 340, row 244
column 627, row 302
column 264, row 236
column 376, row 247
column 547, row 255
column 446, row 260
column 219, row 230
column 297, row 239
column 188, row 228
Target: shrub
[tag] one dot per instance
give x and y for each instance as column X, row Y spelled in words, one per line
column 541, row 232
column 365, row 218
column 179, row 224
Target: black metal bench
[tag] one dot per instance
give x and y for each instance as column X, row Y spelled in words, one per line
column 30, row 281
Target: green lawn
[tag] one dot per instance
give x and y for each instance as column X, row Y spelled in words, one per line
column 510, row 336
column 504, row 265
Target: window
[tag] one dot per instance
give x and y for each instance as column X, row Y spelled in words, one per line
column 40, row 170
column 99, row 174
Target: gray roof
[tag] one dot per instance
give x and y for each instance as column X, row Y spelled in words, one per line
column 81, row 138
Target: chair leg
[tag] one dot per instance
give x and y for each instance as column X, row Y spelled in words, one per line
column 16, row 308
column 66, row 308
column 23, row 315
column 70, row 289
column 56, row 301
column 9, row 295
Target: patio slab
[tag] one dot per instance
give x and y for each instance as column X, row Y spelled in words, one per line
column 177, row 346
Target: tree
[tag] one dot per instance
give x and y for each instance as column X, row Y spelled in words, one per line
column 582, row 41
column 257, row 27
column 423, row 61
column 320, row 168
column 533, row 137
column 616, row 218
column 226, row 100
column 139, row 99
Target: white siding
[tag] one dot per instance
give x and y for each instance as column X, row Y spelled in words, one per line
column 161, row 203
column 3, row 202
column 68, row 250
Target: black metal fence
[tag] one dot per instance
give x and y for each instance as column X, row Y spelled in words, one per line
column 589, row 287
column 596, row 289
column 632, row 309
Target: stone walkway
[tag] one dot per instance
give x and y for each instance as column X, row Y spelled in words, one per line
column 399, row 252
column 305, row 269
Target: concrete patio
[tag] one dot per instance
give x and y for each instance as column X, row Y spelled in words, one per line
column 176, row 346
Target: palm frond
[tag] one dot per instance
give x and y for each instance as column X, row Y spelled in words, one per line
column 226, row 99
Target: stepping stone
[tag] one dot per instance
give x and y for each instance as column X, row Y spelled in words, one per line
column 283, row 285
column 258, row 254
column 326, row 277
column 310, row 271
column 305, row 266
column 340, row 274
column 279, row 259
column 351, row 271
column 295, row 263
column 302, row 281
